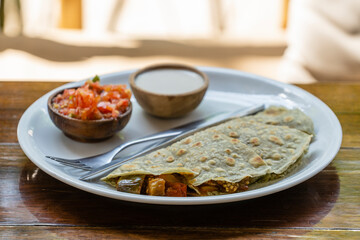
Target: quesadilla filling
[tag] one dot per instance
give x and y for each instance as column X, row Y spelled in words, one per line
column 176, row 185
column 214, row 187
column 163, row 185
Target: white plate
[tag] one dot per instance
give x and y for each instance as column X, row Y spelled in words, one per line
column 228, row 90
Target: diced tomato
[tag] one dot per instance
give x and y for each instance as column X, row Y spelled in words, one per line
column 176, row 189
column 93, row 101
column 105, row 107
column 114, row 95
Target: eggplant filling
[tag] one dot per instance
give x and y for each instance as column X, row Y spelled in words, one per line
column 176, row 185
column 216, row 187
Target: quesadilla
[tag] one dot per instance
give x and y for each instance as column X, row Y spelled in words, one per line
column 206, row 163
column 223, row 159
column 281, row 116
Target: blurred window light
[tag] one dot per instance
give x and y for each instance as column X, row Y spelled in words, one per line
column 149, row 19
column 11, row 23
column 39, row 16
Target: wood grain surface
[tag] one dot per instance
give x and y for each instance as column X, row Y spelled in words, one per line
column 34, row 205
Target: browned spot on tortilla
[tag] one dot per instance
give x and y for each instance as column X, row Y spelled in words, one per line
column 276, row 156
column 212, row 162
column 233, row 134
column 276, row 140
column 128, row 167
column 198, row 144
column 181, row 152
column 216, row 136
column 228, row 151
column 257, row 161
column 255, row 141
column 230, row 161
column 288, row 137
column 288, row 119
column 170, row 159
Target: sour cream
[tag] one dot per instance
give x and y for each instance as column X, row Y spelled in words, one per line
column 169, row 81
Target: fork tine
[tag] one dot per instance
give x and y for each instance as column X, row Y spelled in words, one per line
column 63, row 159
column 86, row 168
column 75, row 163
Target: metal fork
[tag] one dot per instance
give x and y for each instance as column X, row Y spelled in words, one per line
column 88, row 163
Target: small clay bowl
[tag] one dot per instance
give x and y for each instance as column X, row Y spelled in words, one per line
column 168, row 105
column 87, row 130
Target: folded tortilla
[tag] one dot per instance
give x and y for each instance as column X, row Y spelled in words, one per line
column 279, row 146
column 205, row 156
column 281, row 116
column 230, row 155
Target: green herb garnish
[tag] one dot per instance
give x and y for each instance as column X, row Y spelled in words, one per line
column 72, row 115
column 96, row 79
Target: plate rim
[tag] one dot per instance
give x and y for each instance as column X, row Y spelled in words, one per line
column 267, row 190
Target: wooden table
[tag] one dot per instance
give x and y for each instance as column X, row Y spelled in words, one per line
column 34, row 205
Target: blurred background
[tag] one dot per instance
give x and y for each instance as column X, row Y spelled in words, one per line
column 294, row 41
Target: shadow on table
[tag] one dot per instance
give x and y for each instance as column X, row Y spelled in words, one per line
column 52, row 201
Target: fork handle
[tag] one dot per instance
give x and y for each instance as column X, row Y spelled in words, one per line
column 121, row 147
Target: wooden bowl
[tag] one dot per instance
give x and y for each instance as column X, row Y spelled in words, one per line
column 87, row 130
column 168, row 105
